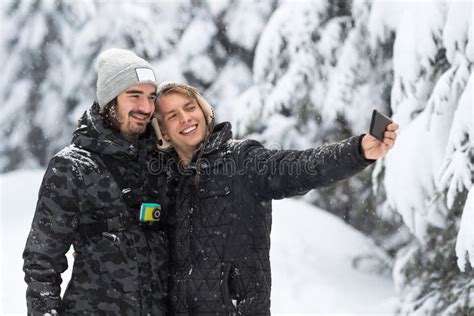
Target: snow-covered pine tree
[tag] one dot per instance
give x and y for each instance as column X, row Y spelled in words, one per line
column 428, row 177
column 360, row 81
column 50, row 48
column 283, row 70
column 239, row 25
column 307, row 74
column 316, row 79
column 150, row 29
column 36, row 52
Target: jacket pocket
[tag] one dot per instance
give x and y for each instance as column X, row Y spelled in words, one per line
column 229, row 295
column 253, row 288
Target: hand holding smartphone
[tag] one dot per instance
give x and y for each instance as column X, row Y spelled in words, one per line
column 378, row 124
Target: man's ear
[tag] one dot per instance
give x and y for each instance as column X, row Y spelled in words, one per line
column 159, row 132
column 164, row 134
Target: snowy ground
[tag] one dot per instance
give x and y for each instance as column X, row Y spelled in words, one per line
column 311, row 255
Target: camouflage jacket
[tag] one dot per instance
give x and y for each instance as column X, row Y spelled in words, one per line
column 220, row 228
column 121, row 268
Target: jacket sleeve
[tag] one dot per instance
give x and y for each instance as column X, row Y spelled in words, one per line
column 51, row 235
column 276, row 174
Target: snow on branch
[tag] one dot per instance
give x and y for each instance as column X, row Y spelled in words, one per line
column 465, row 241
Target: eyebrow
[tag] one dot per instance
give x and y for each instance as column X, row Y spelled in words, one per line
column 169, row 112
column 139, row 92
column 134, row 92
column 185, row 105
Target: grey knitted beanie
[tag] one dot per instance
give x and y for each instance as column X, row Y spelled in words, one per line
column 118, row 69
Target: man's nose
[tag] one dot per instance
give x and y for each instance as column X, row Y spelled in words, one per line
column 184, row 117
column 146, row 105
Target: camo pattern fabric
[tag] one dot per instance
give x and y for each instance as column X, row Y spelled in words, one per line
column 220, row 227
column 116, row 272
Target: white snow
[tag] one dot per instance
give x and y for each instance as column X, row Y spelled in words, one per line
column 312, row 257
column 19, row 192
column 433, row 106
column 197, row 38
column 312, row 265
column 245, row 21
column 217, row 6
column 250, row 101
column 465, row 241
column 456, row 172
column 455, row 33
column 407, row 171
column 234, row 78
column 416, row 45
column 384, row 18
column 202, row 67
column 287, row 40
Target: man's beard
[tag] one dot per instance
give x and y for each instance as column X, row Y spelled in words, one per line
column 133, row 131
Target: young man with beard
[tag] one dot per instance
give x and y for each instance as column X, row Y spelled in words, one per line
column 96, row 196
column 219, row 230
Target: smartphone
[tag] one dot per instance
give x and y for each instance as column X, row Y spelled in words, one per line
column 378, row 124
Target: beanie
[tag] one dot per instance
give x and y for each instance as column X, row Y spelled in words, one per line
column 118, row 69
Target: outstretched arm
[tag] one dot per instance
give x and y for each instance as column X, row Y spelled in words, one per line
column 275, row 174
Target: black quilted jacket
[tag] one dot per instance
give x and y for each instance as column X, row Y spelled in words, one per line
column 220, row 229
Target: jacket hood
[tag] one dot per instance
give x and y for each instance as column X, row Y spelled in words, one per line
column 93, row 135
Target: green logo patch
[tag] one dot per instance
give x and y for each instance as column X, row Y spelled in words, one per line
column 150, row 212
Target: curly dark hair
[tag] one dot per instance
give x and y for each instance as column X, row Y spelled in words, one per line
column 109, row 115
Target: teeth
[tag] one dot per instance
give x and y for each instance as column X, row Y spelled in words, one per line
column 138, row 116
column 189, row 129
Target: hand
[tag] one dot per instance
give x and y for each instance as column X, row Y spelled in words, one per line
column 372, row 148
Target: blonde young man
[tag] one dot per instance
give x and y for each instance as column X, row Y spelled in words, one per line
column 220, row 227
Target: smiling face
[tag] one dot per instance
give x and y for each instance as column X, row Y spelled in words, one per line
column 135, row 107
column 182, row 122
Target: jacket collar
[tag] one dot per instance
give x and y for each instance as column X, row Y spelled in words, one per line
column 215, row 141
column 218, row 138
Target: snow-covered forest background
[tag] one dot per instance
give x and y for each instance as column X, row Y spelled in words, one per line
column 292, row 74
